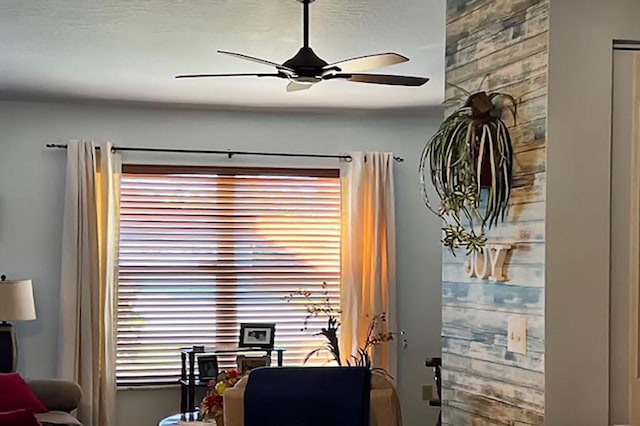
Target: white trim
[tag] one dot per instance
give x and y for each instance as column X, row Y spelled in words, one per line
column 634, row 251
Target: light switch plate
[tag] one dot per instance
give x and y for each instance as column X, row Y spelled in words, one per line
column 517, row 335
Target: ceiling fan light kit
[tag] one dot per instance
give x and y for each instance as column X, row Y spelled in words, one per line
column 306, row 68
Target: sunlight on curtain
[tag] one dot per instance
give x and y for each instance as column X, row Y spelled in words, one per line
column 88, row 278
column 368, row 276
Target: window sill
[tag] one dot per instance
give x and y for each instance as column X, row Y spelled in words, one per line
column 120, row 388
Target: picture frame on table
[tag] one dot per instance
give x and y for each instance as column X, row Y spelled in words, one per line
column 207, row 367
column 248, row 363
column 257, row 335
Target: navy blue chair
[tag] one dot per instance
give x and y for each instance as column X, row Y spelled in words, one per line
column 308, row 396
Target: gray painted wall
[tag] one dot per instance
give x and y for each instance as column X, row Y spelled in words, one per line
column 31, row 205
column 578, row 174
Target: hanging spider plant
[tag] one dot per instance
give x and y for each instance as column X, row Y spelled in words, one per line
column 470, row 160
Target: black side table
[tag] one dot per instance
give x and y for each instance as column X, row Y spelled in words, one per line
column 188, row 380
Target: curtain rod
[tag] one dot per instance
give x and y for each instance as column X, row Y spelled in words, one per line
column 230, row 154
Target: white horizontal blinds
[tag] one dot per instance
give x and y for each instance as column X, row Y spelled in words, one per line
column 205, row 249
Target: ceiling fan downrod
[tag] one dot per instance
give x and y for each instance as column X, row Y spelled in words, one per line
column 306, row 62
column 305, row 20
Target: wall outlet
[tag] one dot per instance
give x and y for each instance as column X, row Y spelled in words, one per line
column 517, row 335
column 427, row 392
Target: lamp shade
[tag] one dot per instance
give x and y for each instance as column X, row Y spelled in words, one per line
column 16, row 301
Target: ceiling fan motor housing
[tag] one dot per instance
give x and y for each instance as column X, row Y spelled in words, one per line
column 306, row 63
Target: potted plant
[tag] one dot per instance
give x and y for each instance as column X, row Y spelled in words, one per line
column 321, row 306
column 470, row 161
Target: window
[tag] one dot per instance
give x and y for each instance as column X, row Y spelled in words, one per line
column 205, row 249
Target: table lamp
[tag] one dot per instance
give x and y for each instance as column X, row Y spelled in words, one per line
column 16, row 304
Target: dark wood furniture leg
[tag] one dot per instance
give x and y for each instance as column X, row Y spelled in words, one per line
column 192, row 382
column 183, row 387
column 436, row 364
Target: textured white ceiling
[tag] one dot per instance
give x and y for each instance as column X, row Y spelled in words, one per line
column 130, row 50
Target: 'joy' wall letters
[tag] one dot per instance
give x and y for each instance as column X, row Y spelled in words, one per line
column 488, row 264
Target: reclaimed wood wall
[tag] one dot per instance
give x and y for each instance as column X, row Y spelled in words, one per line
column 483, row 383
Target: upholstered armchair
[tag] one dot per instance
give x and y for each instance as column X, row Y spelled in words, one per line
column 38, row 402
column 60, row 397
column 382, row 402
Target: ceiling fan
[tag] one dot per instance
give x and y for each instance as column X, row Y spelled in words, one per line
column 306, row 68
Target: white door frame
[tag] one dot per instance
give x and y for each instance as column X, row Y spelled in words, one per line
column 634, row 271
column 624, row 395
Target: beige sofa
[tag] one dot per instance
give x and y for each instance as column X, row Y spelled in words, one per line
column 60, row 397
column 384, row 406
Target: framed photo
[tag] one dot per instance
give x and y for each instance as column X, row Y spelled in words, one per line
column 207, row 367
column 257, row 335
column 248, row 363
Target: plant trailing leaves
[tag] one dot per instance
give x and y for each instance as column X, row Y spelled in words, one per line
column 470, row 160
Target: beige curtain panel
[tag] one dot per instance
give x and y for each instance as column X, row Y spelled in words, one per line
column 368, row 261
column 88, row 279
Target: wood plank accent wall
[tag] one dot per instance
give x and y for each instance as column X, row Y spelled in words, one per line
column 483, row 383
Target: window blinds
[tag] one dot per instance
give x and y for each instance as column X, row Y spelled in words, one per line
column 205, row 249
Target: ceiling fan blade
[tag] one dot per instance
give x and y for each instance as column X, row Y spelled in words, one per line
column 229, row 75
column 254, row 59
column 393, row 80
column 296, row 87
column 369, row 62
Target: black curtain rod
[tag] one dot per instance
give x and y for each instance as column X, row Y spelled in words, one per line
column 230, row 154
